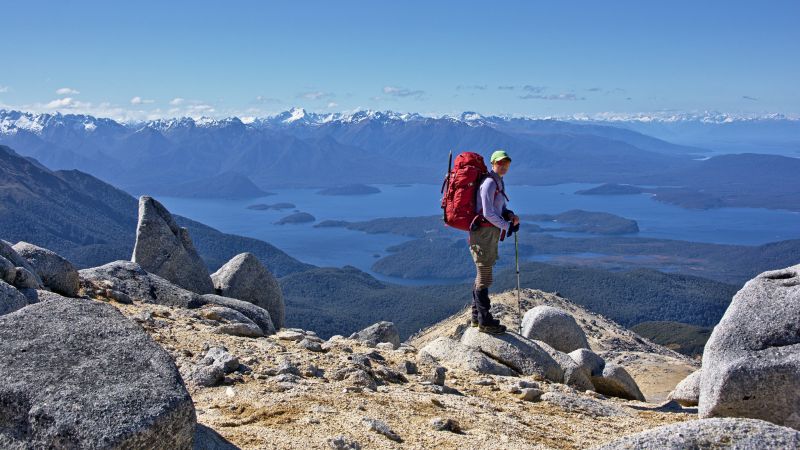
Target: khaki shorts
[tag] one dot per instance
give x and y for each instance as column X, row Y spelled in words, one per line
column 483, row 245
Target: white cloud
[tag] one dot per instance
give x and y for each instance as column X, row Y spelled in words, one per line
column 66, row 102
column 314, row 95
column 67, row 91
column 140, row 101
column 3, row 89
column 332, row 104
column 403, row 92
column 176, row 101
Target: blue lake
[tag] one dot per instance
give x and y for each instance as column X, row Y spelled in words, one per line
column 338, row 246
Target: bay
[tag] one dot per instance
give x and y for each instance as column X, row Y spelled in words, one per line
column 338, row 246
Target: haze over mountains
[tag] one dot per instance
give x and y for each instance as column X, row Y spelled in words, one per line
column 235, row 157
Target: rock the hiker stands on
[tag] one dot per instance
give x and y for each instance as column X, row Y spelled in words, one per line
column 525, row 356
column 455, row 355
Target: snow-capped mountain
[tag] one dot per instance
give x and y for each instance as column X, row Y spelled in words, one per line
column 12, row 121
column 302, row 148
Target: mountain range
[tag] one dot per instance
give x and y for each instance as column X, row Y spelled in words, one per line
column 235, row 157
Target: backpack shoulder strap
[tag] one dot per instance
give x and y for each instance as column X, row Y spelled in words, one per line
column 501, row 186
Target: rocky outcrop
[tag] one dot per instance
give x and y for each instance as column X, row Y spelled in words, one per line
column 165, row 249
column 555, row 327
column 245, row 278
column 131, row 279
column 521, row 354
column 617, row 382
column 687, row 392
column 10, row 299
column 751, row 362
column 745, row 434
column 455, row 355
column 377, row 333
column 84, row 376
column 56, row 273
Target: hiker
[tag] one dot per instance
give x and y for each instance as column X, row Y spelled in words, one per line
column 494, row 223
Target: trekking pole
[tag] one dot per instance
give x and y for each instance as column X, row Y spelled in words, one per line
column 519, row 302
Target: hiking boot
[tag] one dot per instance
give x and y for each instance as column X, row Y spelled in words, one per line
column 474, row 323
column 492, row 329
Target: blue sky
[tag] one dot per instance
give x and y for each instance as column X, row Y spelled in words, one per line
column 149, row 59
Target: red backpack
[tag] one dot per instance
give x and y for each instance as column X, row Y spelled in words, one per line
column 460, row 190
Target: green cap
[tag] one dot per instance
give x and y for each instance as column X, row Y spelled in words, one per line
column 498, row 155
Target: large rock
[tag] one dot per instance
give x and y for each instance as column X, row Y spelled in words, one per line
column 743, row 434
column 56, row 273
column 131, row 279
column 455, row 355
column 617, row 382
column 751, row 362
column 521, row 354
column 555, row 327
column 589, row 360
column 687, row 392
column 259, row 315
column 10, row 299
column 165, row 249
column 78, row 374
column 377, row 333
column 8, row 252
column 245, row 278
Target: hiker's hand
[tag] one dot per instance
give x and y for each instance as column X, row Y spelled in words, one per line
column 515, row 220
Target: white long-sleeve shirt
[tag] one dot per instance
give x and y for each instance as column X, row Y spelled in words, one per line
column 492, row 203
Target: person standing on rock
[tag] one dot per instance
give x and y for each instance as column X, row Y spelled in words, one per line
column 495, row 222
